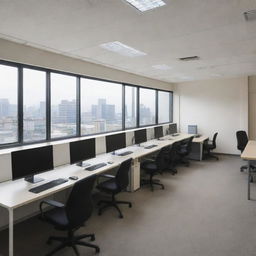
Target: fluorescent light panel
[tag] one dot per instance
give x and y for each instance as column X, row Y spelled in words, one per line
column 145, row 5
column 122, row 49
column 162, row 67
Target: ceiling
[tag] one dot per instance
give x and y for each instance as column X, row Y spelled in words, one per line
column 215, row 30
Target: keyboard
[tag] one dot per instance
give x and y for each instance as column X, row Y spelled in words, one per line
column 95, row 167
column 47, row 185
column 125, row 153
column 150, row 146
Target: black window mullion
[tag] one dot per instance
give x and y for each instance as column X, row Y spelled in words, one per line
column 138, row 108
column 78, row 107
column 123, row 107
column 20, row 104
column 48, row 106
column 156, row 100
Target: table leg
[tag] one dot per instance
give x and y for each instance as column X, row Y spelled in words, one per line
column 249, row 181
column 10, row 232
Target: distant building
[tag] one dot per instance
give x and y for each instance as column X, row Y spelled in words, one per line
column 67, row 111
column 4, row 107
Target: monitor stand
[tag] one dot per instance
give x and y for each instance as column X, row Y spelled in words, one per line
column 33, row 179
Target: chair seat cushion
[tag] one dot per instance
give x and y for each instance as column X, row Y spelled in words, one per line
column 149, row 166
column 109, row 186
column 58, row 218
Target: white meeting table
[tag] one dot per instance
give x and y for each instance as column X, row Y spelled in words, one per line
column 15, row 194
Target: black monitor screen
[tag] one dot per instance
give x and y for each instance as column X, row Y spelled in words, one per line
column 140, row 136
column 29, row 162
column 159, row 132
column 114, row 142
column 82, row 150
column 172, row 128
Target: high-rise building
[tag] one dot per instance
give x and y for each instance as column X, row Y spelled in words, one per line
column 4, row 107
column 67, row 111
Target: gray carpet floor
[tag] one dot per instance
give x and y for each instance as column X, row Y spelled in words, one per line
column 203, row 211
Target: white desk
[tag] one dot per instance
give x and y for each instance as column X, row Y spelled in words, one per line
column 16, row 193
column 249, row 154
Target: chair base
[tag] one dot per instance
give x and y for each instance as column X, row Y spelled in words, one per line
column 185, row 161
column 243, row 168
column 210, row 155
column 113, row 203
column 72, row 241
column 151, row 182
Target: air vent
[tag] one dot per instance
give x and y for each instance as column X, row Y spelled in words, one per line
column 189, row 58
column 250, row 15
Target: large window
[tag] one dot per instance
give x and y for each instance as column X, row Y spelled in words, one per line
column 130, row 106
column 34, row 105
column 63, row 105
column 8, row 104
column 101, row 106
column 164, row 107
column 38, row 104
column 147, row 106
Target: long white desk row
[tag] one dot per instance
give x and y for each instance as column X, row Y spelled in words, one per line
column 14, row 194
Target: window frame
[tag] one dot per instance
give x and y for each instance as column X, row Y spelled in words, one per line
column 48, row 71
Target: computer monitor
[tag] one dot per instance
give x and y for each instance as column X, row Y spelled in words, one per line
column 158, row 132
column 82, row 150
column 140, row 136
column 172, row 128
column 192, row 129
column 29, row 162
column 116, row 141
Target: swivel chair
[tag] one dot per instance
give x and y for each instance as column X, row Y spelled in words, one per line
column 208, row 147
column 114, row 185
column 242, row 140
column 184, row 150
column 71, row 217
column 156, row 166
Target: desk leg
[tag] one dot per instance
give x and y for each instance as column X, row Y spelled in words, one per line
column 201, row 151
column 10, row 232
column 249, row 181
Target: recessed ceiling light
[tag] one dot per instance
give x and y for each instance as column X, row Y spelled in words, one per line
column 145, row 5
column 122, row 49
column 162, row 67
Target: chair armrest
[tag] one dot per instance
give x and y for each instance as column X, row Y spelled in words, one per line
column 50, row 203
column 104, row 176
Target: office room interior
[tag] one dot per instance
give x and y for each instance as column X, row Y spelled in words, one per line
column 128, row 127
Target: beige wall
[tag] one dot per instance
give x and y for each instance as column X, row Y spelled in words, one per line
column 28, row 55
column 252, row 107
column 217, row 105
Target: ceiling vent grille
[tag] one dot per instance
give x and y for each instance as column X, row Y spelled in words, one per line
column 189, row 58
column 250, row 15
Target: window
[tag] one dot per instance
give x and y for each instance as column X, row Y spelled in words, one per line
column 101, row 106
column 63, row 105
column 8, row 104
column 164, row 107
column 147, row 106
column 34, row 105
column 130, row 106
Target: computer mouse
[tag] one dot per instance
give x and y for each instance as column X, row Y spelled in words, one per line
column 73, row 178
column 110, row 162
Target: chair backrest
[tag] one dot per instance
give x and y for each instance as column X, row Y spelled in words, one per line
column 173, row 151
column 189, row 145
column 162, row 158
column 79, row 206
column 214, row 139
column 122, row 175
column 242, row 140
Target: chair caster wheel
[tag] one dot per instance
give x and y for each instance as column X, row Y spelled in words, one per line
column 97, row 250
column 99, row 213
column 93, row 238
column 49, row 242
column 121, row 216
column 130, row 205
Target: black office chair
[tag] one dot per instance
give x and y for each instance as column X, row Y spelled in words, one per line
column 173, row 157
column 156, row 166
column 71, row 217
column 242, row 140
column 184, row 150
column 114, row 185
column 209, row 146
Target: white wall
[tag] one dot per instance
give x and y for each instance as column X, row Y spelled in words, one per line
column 218, row 105
column 252, row 107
